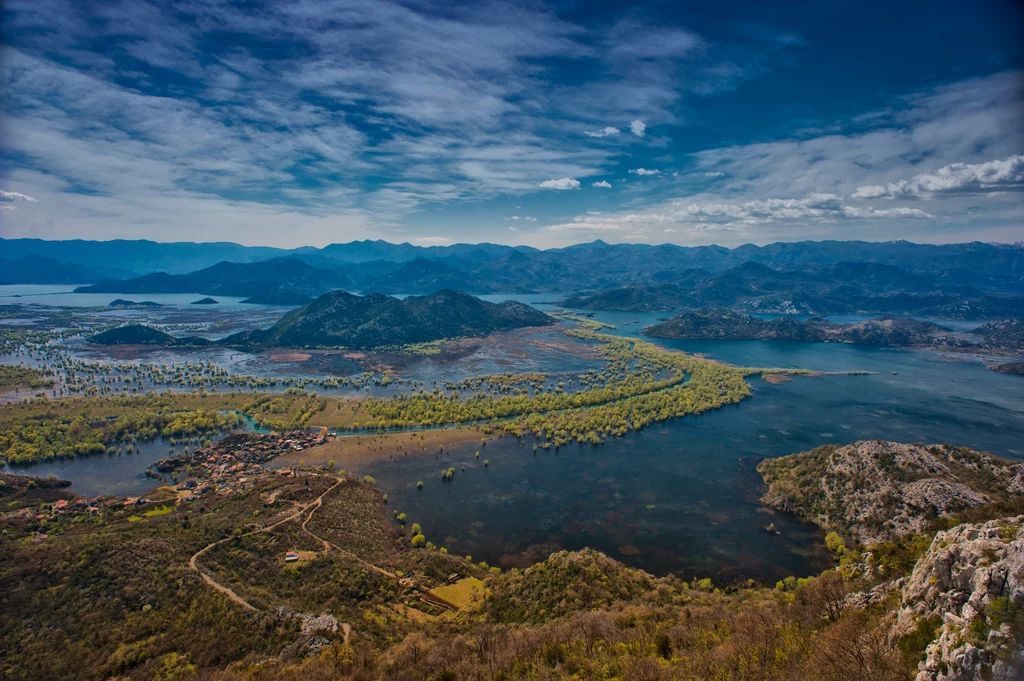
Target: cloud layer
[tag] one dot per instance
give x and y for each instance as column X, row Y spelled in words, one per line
column 1001, row 175
column 309, row 122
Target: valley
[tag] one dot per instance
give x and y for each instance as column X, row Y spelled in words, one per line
column 449, row 446
column 511, row 341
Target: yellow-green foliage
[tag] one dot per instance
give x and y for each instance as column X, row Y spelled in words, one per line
column 53, row 433
column 12, row 377
column 159, row 510
column 643, row 384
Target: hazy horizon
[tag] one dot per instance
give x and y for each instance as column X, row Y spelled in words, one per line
column 395, row 242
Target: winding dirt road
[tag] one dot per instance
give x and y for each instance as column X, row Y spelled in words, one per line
column 309, row 509
column 194, row 564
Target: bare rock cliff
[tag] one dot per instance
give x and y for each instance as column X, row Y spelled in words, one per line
column 969, row 587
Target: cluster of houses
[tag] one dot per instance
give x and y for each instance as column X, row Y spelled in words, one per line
column 75, row 507
column 228, row 466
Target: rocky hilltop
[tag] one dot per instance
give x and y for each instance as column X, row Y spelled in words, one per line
column 341, row 319
column 968, row 588
column 936, row 550
column 875, row 491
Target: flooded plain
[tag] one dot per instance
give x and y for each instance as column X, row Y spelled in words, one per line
column 676, row 497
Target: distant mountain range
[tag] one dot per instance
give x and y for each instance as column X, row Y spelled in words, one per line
column 830, row 277
column 340, row 319
column 841, row 288
column 36, row 269
column 282, row 281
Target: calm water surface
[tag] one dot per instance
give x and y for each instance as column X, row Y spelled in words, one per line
column 123, row 474
column 681, row 496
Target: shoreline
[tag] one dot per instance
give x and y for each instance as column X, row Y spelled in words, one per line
column 354, row 450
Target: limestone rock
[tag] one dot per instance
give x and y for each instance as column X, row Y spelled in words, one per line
column 876, row 491
column 971, row 580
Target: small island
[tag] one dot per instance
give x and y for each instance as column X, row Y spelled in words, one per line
column 205, row 301
column 120, row 302
column 140, row 334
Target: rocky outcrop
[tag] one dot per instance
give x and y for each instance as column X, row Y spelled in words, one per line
column 970, row 583
column 308, row 623
column 876, row 491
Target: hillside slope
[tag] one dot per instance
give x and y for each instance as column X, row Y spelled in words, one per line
column 288, row 280
column 719, row 324
column 340, row 319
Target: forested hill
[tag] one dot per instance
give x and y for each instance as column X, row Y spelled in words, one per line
column 727, row 325
column 341, row 319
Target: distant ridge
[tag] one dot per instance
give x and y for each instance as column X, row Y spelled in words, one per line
column 287, row 279
column 973, row 280
column 729, row 325
column 145, row 256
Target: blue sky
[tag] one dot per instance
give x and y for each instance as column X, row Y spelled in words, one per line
column 315, row 121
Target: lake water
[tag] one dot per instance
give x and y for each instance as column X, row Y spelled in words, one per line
column 680, row 496
column 120, row 474
column 64, row 296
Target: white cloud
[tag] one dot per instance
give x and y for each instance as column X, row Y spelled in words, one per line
column 638, row 128
column 644, row 171
column 714, row 173
column 690, row 217
column 432, row 240
column 602, row 133
column 1003, row 174
column 11, row 197
column 605, row 184
column 564, row 183
column 527, row 218
column 812, row 207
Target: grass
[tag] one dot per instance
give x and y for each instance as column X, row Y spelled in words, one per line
column 159, row 510
column 336, row 414
column 463, row 593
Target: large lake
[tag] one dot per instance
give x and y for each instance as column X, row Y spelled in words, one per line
column 680, row 496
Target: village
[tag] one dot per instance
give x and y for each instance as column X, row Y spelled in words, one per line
column 228, row 466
